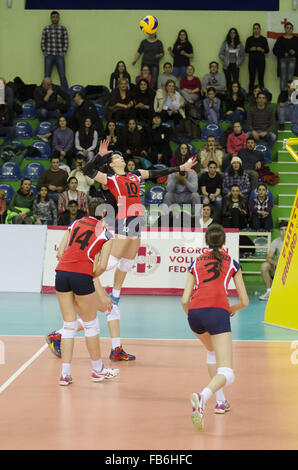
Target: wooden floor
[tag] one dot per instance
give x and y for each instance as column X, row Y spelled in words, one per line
column 147, row 406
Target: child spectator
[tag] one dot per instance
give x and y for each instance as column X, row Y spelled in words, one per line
column 44, row 209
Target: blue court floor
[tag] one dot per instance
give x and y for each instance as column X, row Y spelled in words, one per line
column 151, row 317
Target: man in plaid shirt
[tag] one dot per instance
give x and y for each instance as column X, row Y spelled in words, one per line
column 54, row 44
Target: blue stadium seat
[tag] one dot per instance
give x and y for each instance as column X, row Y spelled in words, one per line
column 9, row 191
column 19, row 143
column 10, row 171
column 29, row 111
column 267, row 152
column 33, row 171
column 101, row 110
column 23, row 130
column 44, row 127
column 254, row 193
column 155, row 195
column 74, row 89
column 211, row 129
column 34, row 189
column 44, row 149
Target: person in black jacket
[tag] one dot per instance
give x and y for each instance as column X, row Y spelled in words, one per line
column 7, row 129
column 286, row 51
column 256, row 46
column 48, row 100
column 143, row 99
column 159, row 142
column 235, row 211
column 119, row 72
column 71, row 214
column 85, row 109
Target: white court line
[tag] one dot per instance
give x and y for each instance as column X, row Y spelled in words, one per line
column 22, row 368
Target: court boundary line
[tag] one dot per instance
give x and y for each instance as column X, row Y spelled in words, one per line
column 14, row 376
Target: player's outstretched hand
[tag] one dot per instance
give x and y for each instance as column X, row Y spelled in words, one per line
column 190, row 163
column 103, row 148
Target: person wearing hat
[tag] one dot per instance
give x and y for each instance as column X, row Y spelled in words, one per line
column 236, row 175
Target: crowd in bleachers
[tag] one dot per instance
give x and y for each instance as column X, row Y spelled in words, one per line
column 144, row 118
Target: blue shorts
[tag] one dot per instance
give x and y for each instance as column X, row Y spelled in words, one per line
column 79, row 284
column 212, row 320
column 130, row 227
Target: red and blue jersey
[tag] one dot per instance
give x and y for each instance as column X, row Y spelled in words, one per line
column 126, row 190
column 211, row 283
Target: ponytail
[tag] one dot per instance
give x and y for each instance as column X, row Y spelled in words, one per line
column 215, row 238
column 218, row 256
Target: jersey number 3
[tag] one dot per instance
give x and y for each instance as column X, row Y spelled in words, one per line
column 214, row 269
column 82, row 239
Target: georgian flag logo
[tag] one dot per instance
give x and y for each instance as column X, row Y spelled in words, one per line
column 147, row 260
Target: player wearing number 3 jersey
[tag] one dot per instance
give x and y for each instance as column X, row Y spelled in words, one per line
column 206, row 304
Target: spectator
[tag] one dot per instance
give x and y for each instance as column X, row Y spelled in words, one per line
column 7, row 129
column 232, row 55
column 181, row 155
column 261, row 121
column 236, row 140
column 54, row 179
column 285, row 107
column 146, row 75
column 269, row 266
column 121, row 105
column 190, row 86
column 210, row 152
column 119, row 72
column 62, row 143
column 159, row 142
column 2, row 206
column 166, row 75
column 286, row 51
column 182, row 52
column 252, row 96
column 182, row 188
column 235, row 211
column 237, row 176
column 86, row 139
column 20, row 208
column 134, row 138
column 294, row 123
column 131, row 165
column 44, row 209
column 216, row 80
column 206, row 218
column 256, row 47
column 71, row 214
column 169, row 103
column 261, row 210
column 110, row 202
column 235, row 110
column 8, row 96
column 54, row 45
column 48, row 100
column 143, row 100
column 84, row 182
column 212, row 106
column 210, row 183
column 152, row 50
column 85, row 108
column 72, row 194
column 252, row 161
column 114, row 135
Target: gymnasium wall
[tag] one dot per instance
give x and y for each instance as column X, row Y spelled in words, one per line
column 98, row 39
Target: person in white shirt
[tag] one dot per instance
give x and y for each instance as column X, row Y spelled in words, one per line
column 84, row 182
column 206, row 218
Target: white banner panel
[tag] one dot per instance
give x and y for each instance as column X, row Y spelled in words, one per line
column 22, row 250
column 160, row 266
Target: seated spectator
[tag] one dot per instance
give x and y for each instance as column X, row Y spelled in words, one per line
column 212, row 106
column 143, row 100
column 20, row 208
column 114, row 135
column 86, row 139
column 181, row 155
column 7, row 129
column 110, row 203
column 261, row 210
column 235, row 110
column 48, row 99
column 166, row 75
column 2, row 206
column 294, row 123
column 159, row 142
column 71, row 214
column 72, row 194
column 182, row 52
column 54, row 179
column 131, row 166
column 252, row 161
column 210, row 183
column 146, row 75
column 169, row 102
column 190, row 86
column 134, row 141
column 182, row 188
column 261, row 121
column 62, row 143
column 119, row 72
column 235, row 142
column 84, row 182
column 44, row 209
column 235, row 211
column 206, row 218
column 252, row 96
column 269, row 266
column 214, row 79
column 285, row 107
column 237, row 176
column 85, row 109
column 121, row 105
column 210, row 152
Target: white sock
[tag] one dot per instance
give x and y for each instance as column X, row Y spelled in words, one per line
column 220, row 396
column 269, row 289
column 206, row 394
column 115, row 343
column 97, row 365
column 116, row 293
column 66, row 369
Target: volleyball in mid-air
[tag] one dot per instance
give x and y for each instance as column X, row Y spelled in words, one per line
column 149, row 24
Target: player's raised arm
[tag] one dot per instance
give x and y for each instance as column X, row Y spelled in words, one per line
column 157, row 173
column 91, row 169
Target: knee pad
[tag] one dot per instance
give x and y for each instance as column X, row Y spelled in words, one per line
column 228, row 373
column 112, row 262
column 114, row 314
column 91, row 328
column 211, row 358
column 69, row 329
column 125, row 264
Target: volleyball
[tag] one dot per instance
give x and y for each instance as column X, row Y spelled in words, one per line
column 149, row 24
